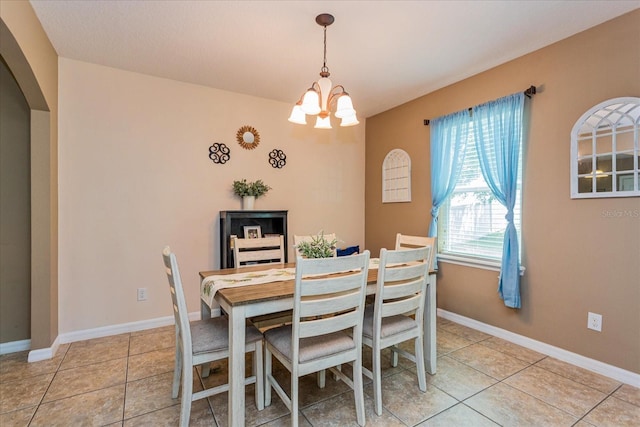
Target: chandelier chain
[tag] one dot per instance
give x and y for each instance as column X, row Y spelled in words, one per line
column 324, row 64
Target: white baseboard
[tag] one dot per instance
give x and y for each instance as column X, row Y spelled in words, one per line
column 124, row 328
column 14, row 346
column 596, row 366
column 105, row 331
column 44, row 353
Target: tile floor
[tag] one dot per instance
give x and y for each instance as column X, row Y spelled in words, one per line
column 125, row 380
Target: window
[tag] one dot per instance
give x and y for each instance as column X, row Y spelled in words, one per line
column 472, row 221
column 605, row 153
column 396, row 177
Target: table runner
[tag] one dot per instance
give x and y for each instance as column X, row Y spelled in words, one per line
column 212, row 284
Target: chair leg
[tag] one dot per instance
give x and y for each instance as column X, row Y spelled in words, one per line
column 422, row 377
column 377, row 380
column 177, row 371
column 321, row 378
column 206, row 369
column 394, row 357
column 187, row 396
column 339, row 369
column 358, row 390
column 258, row 371
column 267, row 376
column 294, row 399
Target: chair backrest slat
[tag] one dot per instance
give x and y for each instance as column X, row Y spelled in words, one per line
column 403, row 306
column 321, row 307
column 327, row 325
column 393, row 290
column 329, row 285
column 403, row 272
column 269, row 250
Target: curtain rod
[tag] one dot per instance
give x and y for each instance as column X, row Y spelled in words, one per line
column 528, row 93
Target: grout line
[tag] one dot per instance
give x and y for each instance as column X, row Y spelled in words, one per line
column 126, row 381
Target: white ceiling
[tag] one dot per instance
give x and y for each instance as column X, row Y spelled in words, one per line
column 384, row 53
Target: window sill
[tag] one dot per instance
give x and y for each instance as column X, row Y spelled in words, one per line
column 483, row 263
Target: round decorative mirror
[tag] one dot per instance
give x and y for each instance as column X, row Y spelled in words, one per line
column 248, row 137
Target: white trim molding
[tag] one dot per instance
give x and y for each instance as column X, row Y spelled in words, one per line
column 575, row 359
column 483, row 263
column 14, row 346
column 44, row 353
column 105, row 331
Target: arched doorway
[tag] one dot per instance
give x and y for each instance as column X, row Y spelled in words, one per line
column 41, row 95
column 15, row 215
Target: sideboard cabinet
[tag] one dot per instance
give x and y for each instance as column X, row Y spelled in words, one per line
column 232, row 223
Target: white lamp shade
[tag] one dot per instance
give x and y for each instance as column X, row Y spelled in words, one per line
column 323, row 123
column 349, row 120
column 345, row 107
column 297, row 116
column 311, row 103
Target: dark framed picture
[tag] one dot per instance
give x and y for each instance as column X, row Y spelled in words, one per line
column 252, row 232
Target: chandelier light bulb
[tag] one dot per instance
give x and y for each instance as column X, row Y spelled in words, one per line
column 345, row 107
column 323, row 123
column 297, row 115
column 349, row 120
column 311, row 103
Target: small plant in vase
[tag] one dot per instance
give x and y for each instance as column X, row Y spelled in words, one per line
column 249, row 191
column 318, row 247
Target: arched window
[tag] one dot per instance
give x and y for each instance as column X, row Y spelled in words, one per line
column 604, row 150
column 396, row 177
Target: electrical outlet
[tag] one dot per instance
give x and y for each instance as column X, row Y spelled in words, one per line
column 594, row 321
column 142, row 294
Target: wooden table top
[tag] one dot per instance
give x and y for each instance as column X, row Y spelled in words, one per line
column 265, row 291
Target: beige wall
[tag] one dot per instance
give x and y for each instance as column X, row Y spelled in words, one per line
column 135, row 175
column 34, row 63
column 577, row 257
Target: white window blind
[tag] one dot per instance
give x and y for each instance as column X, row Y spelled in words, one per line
column 472, row 221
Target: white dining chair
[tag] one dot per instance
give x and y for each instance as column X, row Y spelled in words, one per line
column 326, row 330
column 397, row 313
column 266, row 250
column 201, row 342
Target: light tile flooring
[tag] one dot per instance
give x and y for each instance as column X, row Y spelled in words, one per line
column 125, row 380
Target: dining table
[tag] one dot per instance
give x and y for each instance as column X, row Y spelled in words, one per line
column 266, row 289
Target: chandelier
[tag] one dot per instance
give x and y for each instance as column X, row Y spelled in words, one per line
column 321, row 96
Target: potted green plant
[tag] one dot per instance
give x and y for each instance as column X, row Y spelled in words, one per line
column 318, row 247
column 249, row 191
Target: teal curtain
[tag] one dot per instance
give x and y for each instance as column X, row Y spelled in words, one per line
column 498, row 132
column 449, row 135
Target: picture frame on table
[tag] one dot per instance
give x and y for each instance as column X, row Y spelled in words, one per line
column 252, row 232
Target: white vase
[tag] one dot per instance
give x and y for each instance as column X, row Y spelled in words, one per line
column 247, row 202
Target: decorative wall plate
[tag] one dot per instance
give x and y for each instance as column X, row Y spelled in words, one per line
column 277, row 158
column 248, row 137
column 219, row 153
